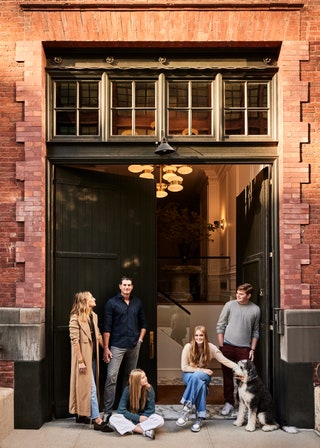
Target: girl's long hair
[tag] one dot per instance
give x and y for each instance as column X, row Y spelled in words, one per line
column 195, row 355
column 80, row 305
column 138, row 393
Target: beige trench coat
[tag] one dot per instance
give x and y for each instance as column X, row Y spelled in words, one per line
column 80, row 383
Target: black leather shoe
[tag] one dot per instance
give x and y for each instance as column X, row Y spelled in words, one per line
column 82, row 419
column 104, row 427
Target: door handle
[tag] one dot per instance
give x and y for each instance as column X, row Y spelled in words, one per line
column 151, row 345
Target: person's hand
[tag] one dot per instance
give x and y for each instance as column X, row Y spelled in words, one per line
column 143, row 418
column 237, row 372
column 82, row 367
column 107, row 355
column 207, row 371
column 251, row 355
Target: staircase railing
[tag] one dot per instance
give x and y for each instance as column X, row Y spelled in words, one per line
column 173, row 318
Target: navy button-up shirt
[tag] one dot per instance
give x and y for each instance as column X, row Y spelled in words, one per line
column 123, row 321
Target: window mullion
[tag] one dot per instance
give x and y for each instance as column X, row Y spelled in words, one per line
column 162, row 109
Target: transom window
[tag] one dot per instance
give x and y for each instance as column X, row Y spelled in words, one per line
column 133, row 108
column 246, row 108
column 76, row 108
column 202, row 108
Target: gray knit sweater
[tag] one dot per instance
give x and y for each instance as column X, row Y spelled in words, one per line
column 239, row 323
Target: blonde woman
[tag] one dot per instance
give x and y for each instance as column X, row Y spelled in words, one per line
column 196, row 365
column 85, row 339
column 136, row 411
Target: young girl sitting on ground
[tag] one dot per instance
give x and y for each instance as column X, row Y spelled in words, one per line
column 136, row 411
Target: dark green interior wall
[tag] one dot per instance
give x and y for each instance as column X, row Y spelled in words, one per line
column 31, row 402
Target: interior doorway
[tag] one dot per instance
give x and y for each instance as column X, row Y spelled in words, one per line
column 206, row 269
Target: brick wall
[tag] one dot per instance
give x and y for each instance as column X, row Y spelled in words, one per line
column 172, row 23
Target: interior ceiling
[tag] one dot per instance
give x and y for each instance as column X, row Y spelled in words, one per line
column 191, row 182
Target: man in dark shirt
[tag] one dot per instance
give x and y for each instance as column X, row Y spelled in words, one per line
column 125, row 326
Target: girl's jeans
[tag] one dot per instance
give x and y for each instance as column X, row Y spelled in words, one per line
column 197, row 386
column 94, row 400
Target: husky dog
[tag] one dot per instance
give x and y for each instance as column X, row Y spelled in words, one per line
column 255, row 398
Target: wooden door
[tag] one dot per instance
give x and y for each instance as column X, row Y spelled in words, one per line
column 104, row 227
column 253, row 258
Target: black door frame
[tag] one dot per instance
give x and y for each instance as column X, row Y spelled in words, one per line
column 61, row 157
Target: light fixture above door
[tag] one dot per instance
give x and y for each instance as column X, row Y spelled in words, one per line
column 168, row 177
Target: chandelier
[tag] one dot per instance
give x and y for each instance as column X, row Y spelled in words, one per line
column 169, row 177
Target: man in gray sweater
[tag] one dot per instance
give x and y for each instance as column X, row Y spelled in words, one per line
column 238, row 334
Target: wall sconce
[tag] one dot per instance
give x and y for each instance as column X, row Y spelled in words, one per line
column 218, row 224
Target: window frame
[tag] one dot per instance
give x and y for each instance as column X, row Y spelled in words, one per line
column 216, row 77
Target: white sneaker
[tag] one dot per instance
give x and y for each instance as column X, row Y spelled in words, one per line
column 149, row 433
column 184, row 417
column 227, row 408
column 197, row 425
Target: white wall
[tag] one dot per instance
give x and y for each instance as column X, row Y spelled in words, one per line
column 169, row 351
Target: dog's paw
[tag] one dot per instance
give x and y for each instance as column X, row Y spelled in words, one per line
column 250, row 428
column 268, row 428
column 237, row 423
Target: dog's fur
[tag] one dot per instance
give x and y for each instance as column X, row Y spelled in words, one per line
column 255, row 398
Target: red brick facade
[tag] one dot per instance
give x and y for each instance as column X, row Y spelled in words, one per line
column 26, row 25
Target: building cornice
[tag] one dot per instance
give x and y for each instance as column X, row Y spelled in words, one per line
column 172, row 6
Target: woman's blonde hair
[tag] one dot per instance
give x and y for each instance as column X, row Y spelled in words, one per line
column 138, row 393
column 80, row 305
column 195, row 354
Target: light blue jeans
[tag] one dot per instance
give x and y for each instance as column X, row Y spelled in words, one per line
column 94, row 399
column 196, row 391
column 129, row 356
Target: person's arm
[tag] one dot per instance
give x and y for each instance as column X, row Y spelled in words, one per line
column 107, row 355
column 107, row 327
column 185, row 359
column 254, row 342
column 143, row 332
column 222, row 323
column 150, row 403
column 255, row 335
column 220, row 337
column 217, row 354
column 142, row 322
column 74, row 331
column 124, row 407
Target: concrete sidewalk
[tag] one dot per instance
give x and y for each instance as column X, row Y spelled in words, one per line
column 65, row 433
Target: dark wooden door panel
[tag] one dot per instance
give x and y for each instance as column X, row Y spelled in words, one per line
column 253, row 249
column 104, row 228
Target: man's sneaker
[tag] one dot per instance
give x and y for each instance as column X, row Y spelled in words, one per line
column 184, row 416
column 149, row 433
column 197, row 425
column 227, row 408
column 106, row 417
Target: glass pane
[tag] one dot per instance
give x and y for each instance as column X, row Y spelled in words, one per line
column 88, row 122
column 121, row 94
column 234, row 94
column 121, row 122
column 145, row 94
column 88, row 94
column 66, row 123
column 66, row 94
column 257, row 95
column 178, row 94
column 145, row 122
column 201, row 94
column 234, row 123
column 257, row 123
column 178, row 122
column 201, row 122
column 174, row 322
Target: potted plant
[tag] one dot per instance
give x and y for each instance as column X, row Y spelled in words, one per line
column 182, row 226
